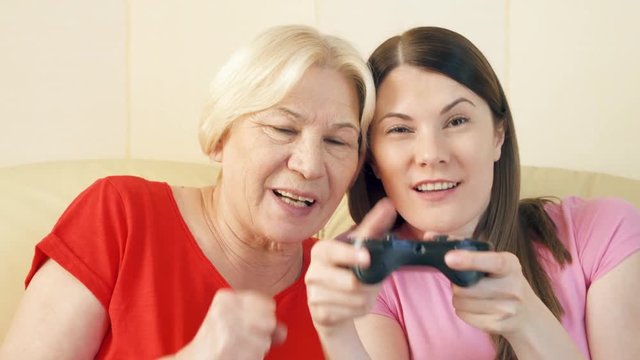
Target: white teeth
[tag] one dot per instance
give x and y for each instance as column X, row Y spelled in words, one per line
column 294, row 202
column 294, row 196
column 436, row 186
column 293, row 199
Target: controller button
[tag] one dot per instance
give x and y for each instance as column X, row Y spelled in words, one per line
column 465, row 245
column 440, row 238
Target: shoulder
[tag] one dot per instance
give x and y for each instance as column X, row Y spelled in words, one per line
column 117, row 196
column 600, row 233
column 126, row 187
column 128, row 183
column 588, row 214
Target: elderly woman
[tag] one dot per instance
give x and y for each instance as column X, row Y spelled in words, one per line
column 141, row 269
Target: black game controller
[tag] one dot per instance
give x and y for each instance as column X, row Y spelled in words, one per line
column 389, row 253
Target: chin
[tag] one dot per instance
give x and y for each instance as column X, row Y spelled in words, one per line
column 440, row 222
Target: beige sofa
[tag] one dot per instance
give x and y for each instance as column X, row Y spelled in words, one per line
column 33, row 196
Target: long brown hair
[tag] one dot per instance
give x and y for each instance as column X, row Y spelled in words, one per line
column 508, row 223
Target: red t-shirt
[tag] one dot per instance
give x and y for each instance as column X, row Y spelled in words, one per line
column 126, row 241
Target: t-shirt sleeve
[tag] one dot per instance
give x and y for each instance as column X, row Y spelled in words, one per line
column 607, row 231
column 386, row 304
column 88, row 240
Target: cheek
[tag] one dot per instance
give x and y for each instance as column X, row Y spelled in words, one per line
column 387, row 157
column 390, row 168
column 478, row 150
column 343, row 172
column 479, row 166
column 248, row 174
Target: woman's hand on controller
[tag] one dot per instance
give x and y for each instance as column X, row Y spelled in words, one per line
column 335, row 295
column 502, row 302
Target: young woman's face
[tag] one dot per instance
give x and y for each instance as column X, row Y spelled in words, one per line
column 286, row 169
column 434, row 144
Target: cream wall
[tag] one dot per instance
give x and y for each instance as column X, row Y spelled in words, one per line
column 62, row 80
column 574, row 82
column 112, row 79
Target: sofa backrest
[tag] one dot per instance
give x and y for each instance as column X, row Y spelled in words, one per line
column 32, row 197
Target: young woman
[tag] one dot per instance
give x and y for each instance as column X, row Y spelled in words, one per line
column 136, row 269
column 561, row 281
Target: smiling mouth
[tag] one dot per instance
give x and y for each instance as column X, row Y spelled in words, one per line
column 293, row 199
column 438, row 186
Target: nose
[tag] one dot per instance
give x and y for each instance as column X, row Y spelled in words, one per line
column 431, row 148
column 307, row 158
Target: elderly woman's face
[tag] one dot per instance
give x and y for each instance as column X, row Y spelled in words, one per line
column 286, row 169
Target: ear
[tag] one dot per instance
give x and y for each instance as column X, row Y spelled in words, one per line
column 374, row 167
column 216, row 154
column 499, row 141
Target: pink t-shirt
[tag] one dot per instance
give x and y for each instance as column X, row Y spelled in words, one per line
column 599, row 234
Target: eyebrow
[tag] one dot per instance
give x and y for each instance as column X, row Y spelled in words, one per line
column 454, row 103
column 299, row 117
column 396, row 115
column 442, row 112
column 291, row 113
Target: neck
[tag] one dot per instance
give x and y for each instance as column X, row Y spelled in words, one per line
column 409, row 232
column 247, row 260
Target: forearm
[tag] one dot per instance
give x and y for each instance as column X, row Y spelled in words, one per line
column 544, row 338
column 342, row 343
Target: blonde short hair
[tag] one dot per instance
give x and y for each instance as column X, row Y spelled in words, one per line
column 260, row 75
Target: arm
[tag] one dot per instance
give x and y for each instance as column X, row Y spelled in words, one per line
column 542, row 336
column 58, row 317
column 336, row 298
column 504, row 303
column 382, row 337
column 613, row 312
column 373, row 337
